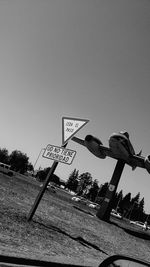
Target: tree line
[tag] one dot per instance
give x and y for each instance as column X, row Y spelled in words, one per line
column 18, row 160
column 130, row 207
column 42, row 174
column 82, row 184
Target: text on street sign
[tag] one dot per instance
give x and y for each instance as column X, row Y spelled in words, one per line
column 60, row 154
column 70, row 126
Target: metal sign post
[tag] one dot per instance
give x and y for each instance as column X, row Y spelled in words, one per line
column 59, row 154
column 106, row 206
column 41, row 192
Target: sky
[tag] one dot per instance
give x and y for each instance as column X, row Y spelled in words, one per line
column 82, row 59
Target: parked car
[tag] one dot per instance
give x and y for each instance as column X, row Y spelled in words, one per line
column 83, row 201
column 93, row 205
column 76, row 199
column 116, row 214
column 133, row 222
column 80, row 199
column 140, row 224
column 72, row 193
column 6, row 169
column 51, row 187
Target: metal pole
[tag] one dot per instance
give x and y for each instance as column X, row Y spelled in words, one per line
column 106, row 206
column 41, row 192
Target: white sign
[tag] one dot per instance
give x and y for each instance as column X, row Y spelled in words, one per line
column 70, row 126
column 59, row 154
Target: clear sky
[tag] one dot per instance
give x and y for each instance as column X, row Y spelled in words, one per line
column 88, row 59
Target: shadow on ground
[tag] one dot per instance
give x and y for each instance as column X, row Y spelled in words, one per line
column 134, row 232
column 78, row 239
column 84, row 211
column 143, row 235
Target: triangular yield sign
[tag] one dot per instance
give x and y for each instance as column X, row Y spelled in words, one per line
column 70, row 126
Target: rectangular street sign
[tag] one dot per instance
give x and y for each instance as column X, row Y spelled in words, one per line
column 60, row 154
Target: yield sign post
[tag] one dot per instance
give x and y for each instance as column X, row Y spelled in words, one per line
column 70, row 126
column 41, row 192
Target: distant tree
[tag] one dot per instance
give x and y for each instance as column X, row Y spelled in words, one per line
column 55, row 179
column 119, row 199
column 101, row 193
column 141, row 210
column 134, row 211
column 146, row 217
column 4, row 157
column 30, row 167
column 93, row 191
column 125, row 204
column 103, row 190
column 136, row 199
column 85, row 182
column 42, row 174
column 19, row 161
column 72, row 182
column 115, row 201
column 141, row 205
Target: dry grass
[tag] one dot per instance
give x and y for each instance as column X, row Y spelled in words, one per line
column 59, row 231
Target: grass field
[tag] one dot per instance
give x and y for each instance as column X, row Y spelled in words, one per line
column 60, row 230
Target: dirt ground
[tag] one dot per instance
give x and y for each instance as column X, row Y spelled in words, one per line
column 60, row 230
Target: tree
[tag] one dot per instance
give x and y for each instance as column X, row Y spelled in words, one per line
column 136, row 199
column 125, row 204
column 72, row 182
column 119, row 199
column 141, row 205
column 93, row 191
column 103, row 190
column 42, row 174
column 30, row 167
column 85, row 182
column 101, row 193
column 141, row 210
column 134, row 215
column 19, row 161
column 4, row 157
column 115, row 201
